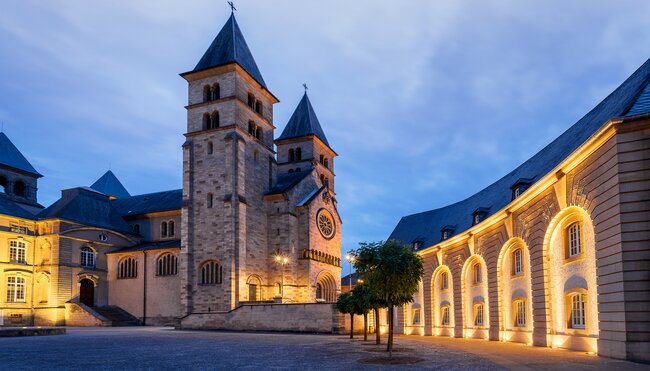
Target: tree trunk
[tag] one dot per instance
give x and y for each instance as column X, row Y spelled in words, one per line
column 365, row 326
column 351, row 326
column 377, row 340
column 390, row 330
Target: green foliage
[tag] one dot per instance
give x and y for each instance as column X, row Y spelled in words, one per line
column 391, row 269
column 343, row 303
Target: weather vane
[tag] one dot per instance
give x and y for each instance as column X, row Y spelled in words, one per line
column 304, row 85
column 232, row 6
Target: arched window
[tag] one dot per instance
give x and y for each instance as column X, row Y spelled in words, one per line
column 19, row 188
column 207, row 93
column 127, row 268
column 167, row 265
column 87, row 257
column 520, row 313
column 258, row 132
column 251, row 128
column 290, row 170
column 136, row 228
column 210, row 200
column 444, row 281
column 251, row 100
column 444, row 315
column 211, row 273
column 292, row 155
column 572, row 238
column 254, row 286
column 214, row 120
column 216, row 92
column 163, row 229
column 416, row 316
column 210, row 148
column 321, row 159
column 206, row 121
column 326, row 163
column 517, row 262
column 258, row 107
column 477, row 273
column 17, row 251
column 478, row 314
column 319, row 291
column 577, row 311
column 326, row 182
column 15, row 289
column 298, row 154
column 171, row 228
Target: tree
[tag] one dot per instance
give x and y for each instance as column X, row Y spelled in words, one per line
column 361, row 304
column 393, row 271
column 370, row 301
column 344, row 305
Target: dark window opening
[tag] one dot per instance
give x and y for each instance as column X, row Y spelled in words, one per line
column 19, row 188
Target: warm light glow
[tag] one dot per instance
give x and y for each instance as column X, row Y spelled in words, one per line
column 277, row 258
column 350, row 258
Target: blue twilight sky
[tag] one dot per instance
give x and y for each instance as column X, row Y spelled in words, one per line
column 426, row 102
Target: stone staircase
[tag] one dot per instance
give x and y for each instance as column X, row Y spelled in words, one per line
column 117, row 316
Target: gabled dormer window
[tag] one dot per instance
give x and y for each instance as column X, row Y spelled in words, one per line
column 520, row 186
column 479, row 215
column 416, row 245
column 447, row 232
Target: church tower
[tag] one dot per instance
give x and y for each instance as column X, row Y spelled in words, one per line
column 303, row 145
column 228, row 165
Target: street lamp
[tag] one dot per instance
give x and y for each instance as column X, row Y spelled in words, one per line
column 350, row 258
column 282, row 260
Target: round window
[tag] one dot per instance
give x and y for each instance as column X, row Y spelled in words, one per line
column 325, row 223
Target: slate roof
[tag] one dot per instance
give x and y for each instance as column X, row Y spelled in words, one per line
column 230, row 47
column 11, row 156
column 626, row 99
column 144, row 246
column 303, row 122
column 149, row 203
column 287, row 181
column 86, row 206
column 108, row 184
column 11, row 208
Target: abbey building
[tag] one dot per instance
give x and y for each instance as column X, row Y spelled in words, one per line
column 254, row 224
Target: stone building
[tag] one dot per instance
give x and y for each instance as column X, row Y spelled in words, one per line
column 255, row 224
column 555, row 253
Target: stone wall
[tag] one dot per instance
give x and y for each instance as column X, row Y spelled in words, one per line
column 77, row 314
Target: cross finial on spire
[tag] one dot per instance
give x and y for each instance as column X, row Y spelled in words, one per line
column 232, row 6
column 304, row 85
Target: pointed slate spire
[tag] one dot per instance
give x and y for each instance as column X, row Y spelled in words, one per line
column 11, row 156
column 230, row 47
column 303, row 122
column 108, row 184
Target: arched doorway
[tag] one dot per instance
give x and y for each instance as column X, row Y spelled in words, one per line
column 87, row 292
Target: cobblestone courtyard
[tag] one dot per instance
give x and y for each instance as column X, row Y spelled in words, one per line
column 167, row 349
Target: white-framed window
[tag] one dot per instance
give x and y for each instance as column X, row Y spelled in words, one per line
column 478, row 315
column 15, row 228
column 520, row 313
column 444, row 281
column 578, row 311
column 15, row 289
column 573, row 239
column 477, row 273
column 517, row 260
column 416, row 316
column 17, row 251
column 167, row 265
column 87, row 257
column 477, row 218
column 445, row 235
column 444, row 315
column 127, row 268
column 103, row 237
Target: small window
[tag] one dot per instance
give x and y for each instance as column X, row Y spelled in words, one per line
column 444, row 316
column 520, row 313
column 210, row 200
column 136, row 228
column 573, row 238
column 167, row 265
column 292, row 155
column 251, row 100
column 207, row 93
column 214, row 120
column 258, row 132
column 444, row 281
column 216, row 92
column 171, row 228
column 19, row 189
column 416, row 245
column 290, row 171
column 206, row 121
column 516, row 192
column 211, row 273
column 15, row 228
column 477, row 273
column 258, row 107
column 163, row 229
column 210, row 148
column 326, row 163
column 478, row 315
column 298, row 154
column 103, row 237
column 16, row 289
column 416, row 316
column 517, row 262
column 17, row 251
column 477, row 218
column 322, row 159
column 127, row 268
column 87, row 257
column 578, row 311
